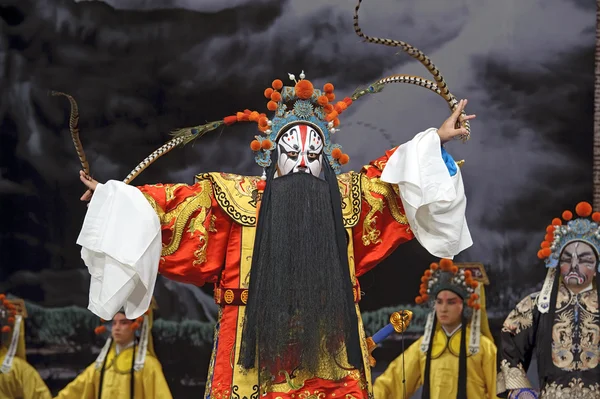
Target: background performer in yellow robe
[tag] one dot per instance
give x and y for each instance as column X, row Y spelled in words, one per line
column 445, row 362
column 109, row 377
column 18, row 379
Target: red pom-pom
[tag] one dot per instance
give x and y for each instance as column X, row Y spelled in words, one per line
column 100, row 330
column 468, row 274
column 549, row 237
column 255, row 145
column 419, row 300
column 474, row 284
column 271, row 105
column 277, row 84
column 275, row 96
column 474, row 297
column 263, row 121
column 11, row 320
column 340, row 107
column 477, row 306
column 331, row 116
column 330, row 96
column 336, row 122
column 556, row 222
column 550, row 229
column 446, row 264
column 2, row 297
column 6, row 329
column 546, row 252
column 336, row 153
column 328, row 108
column 304, row 89
column 567, row 215
column 423, row 279
column 596, row 217
column 254, row 116
column 322, row 100
column 540, row 255
column 425, row 297
column 344, row 159
column 583, row 209
column 545, row 244
column 423, row 291
column 434, row 266
column 348, row 101
column 268, row 92
column 261, row 185
column 266, row 145
column 328, row 88
column 454, row 269
column 427, row 273
column 135, row 325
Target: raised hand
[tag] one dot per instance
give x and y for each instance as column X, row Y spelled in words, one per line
column 89, row 183
column 449, row 129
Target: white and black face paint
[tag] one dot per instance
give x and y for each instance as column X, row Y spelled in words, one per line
column 300, row 149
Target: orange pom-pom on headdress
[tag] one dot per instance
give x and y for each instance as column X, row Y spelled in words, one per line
column 6, row 329
column 344, row 159
column 266, row 145
column 2, row 297
column 304, row 89
column 322, row 100
column 433, row 266
column 11, row 320
column 336, row 153
column 276, row 96
column 567, row 215
column 268, row 92
column 271, row 105
column 135, row 325
column 418, row 300
column 596, row 217
column 556, row 222
column 446, row 264
column 277, row 84
column 255, row 145
column 330, row 96
column 100, row 330
column 328, row 88
column 583, row 209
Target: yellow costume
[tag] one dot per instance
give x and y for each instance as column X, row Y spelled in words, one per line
column 138, row 360
column 149, row 382
column 481, row 370
column 446, row 379
column 18, row 379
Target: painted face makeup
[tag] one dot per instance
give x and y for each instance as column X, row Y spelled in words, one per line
column 300, row 150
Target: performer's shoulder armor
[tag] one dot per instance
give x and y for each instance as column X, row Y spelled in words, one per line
column 237, row 194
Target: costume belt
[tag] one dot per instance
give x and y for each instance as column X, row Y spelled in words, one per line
column 239, row 296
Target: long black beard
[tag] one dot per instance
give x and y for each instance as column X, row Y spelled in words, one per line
column 300, row 309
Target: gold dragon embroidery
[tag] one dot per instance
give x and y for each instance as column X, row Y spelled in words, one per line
column 388, row 192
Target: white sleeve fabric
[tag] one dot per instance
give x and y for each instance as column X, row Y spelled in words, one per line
column 121, row 246
column 434, row 201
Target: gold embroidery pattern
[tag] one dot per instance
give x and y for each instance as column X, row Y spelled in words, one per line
column 236, row 388
column 350, row 187
column 562, row 341
column 182, row 214
column 521, row 317
column 170, row 190
column 575, row 390
column 372, row 186
column 308, row 395
column 159, row 211
column 575, row 342
column 237, row 195
column 511, row 378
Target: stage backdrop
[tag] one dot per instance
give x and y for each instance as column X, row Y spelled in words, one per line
column 140, row 69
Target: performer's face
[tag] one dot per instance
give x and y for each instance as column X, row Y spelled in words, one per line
column 448, row 309
column 122, row 333
column 578, row 265
column 300, row 149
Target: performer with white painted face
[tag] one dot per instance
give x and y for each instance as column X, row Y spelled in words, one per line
column 284, row 250
column 560, row 324
column 300, row 149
